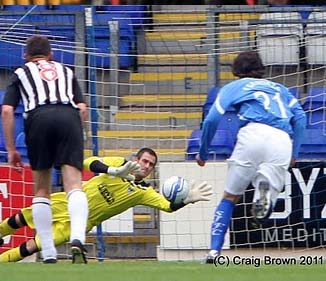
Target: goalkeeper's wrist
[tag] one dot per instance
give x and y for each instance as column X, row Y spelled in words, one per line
column 111, row 171
column 98, row 167
column 187, row 201
column 177, row 206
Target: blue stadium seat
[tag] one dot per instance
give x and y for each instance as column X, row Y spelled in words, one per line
column 295, row 92
column 102, row 38
column 103, row 46
column 102, row 30
column 49, row 20
column 210, row 99
column 137, row 13
column 19, row 120
column 221, row 146
column 11, row 55
column 70, row 8
column 56, row 178
column 66, row 58
column 316, row 98
column 21, row 147
column 24, row 7
column 315, row 107
column 62, row 36
column 230, row 121
column 314, row 145
column 19, row 124
column 316, row 119
column 2, row 94
column 3, row 151
column 3, row 157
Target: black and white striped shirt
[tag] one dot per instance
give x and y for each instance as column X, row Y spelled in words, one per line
column 43, row 82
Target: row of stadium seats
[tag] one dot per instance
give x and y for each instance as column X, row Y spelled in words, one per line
column 19, row 128
column 313, row 146
column 61, row 29
column 282, row 35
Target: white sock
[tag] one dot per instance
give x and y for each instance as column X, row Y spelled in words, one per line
column 78, row 212
column 213, row 253
column 42, row 217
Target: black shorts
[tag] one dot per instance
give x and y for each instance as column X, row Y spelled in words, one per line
column 54, row 137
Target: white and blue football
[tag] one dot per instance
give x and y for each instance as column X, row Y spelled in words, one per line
column 175, row 189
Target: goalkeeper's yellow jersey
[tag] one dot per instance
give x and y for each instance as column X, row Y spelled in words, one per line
column 107, row 196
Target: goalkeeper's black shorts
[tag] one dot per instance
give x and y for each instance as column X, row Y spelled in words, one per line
column 54, row 137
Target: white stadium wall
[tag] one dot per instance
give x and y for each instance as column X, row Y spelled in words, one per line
column 185, row 234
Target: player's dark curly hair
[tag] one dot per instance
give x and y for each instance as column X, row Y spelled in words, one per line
column 38, row 45
column 248, row 64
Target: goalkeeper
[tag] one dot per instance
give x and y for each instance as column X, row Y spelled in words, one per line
column 119, row 186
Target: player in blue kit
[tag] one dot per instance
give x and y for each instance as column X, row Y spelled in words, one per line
column 272, row 123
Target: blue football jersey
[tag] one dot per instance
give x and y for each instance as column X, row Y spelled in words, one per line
column 255, row 100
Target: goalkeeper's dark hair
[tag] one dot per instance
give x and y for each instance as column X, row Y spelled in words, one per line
column 148, row 150
column 38, row 45
column 248, row 64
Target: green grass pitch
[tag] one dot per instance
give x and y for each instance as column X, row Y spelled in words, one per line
column 156, row 271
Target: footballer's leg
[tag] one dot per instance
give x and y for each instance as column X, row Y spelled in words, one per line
column 262, row 205
column 16, row 254
column 271, row 173
column 268, row 183
column 78, row 252
column 10, row 225
column 78, row 212
column 220, row 225
column 239, row 176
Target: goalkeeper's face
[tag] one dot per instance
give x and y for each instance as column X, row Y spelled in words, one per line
column 147, row 164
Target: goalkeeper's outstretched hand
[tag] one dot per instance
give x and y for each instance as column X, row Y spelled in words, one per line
column 200, row 192
column 125, row 171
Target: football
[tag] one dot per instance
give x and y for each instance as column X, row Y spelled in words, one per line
column 175, row 189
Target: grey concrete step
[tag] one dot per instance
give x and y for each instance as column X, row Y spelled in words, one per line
column 166, row 46
column 131, row 124
column 164, row 154
column 162, row 100
column 180, row 9
column 64, row 250
column 172, row 59
column 129, row 246
column 172, row 68
column 178, row 82
column 129, row 142
column 188, row 86
column 151, row 119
